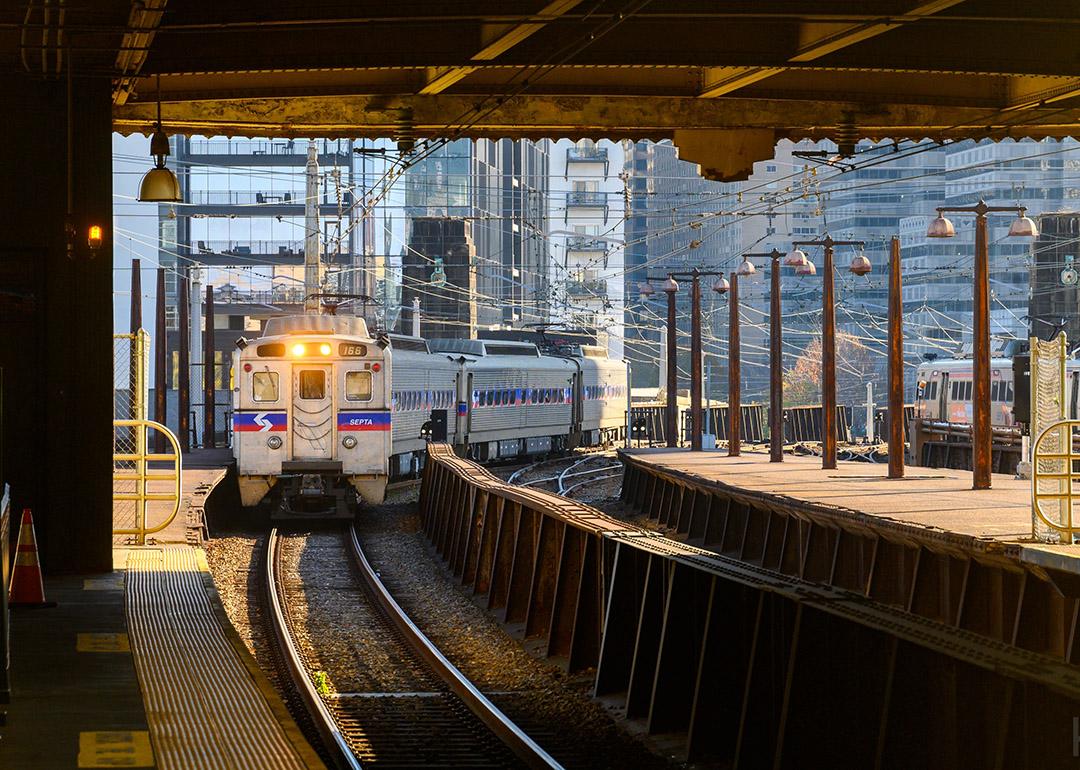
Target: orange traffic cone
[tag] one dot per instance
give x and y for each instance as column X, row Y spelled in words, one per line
column 27, row 588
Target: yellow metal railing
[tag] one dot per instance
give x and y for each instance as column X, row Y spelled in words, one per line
column 1054, row 473
column 134, row 467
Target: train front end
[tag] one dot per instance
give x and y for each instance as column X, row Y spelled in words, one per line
column 311, row 417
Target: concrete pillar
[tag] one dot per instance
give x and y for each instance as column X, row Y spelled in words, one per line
column 56, row 338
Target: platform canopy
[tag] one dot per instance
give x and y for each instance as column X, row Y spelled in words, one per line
column 723, row 80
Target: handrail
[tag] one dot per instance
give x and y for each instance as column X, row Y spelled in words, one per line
column 1065, row 498
column 142, row 476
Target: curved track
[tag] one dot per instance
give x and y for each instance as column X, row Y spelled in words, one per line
column 427, row 713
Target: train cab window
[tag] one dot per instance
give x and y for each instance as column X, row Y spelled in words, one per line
column 358, row 386
column 1008, row 392
column 313, row 384
column 264, row 386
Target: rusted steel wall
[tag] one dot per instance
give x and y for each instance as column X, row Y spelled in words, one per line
column 777, row 651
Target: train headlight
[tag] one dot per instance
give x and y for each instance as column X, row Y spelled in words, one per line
column 298, row 349
column 349, row 442
column 274, row 442
column 325, row 348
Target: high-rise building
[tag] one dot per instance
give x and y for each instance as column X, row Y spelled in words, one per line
column 1055, row 278
column 501, row 188
column 675, row 221
column 586, row 238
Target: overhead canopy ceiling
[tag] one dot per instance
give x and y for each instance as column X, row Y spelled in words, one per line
column 724, row 80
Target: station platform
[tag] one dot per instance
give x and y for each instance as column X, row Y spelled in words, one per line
column 936, row 506
column 141, row 668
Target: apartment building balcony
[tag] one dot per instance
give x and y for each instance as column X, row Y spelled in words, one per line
column 254, row 203
column 588, row 288
column 255, row 253
column 584, row 243
column 589, row 203
column 586, row 155
column 272, row 152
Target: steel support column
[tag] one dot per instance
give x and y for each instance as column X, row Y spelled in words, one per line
column 136, row 296
column 980, row 400
column 183, row 390
column 828, row 362
column 671, row 415
column 695, row 363
column 734, row 373
column 896, row 364
column 776, row 364
column 161, row 371
column 209, row 371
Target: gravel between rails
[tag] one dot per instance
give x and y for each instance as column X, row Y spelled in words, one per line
column 556, row 710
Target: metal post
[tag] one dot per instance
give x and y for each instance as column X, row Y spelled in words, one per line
column 136, row 296
column 671, row 415
column 161, row 369
column 734, row 373
column 828, row 363
column 695, row 364
column 209, row 372
column 776, row 372
column 980, row 407
column 184, row 368
column 896, row 365
column 870, row 413
column 626, row 438
column 710, row 428
column 416, row 317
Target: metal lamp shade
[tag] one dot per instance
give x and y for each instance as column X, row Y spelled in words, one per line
column 940, row 228
column 159, row 185
column 860, row 265
column 796, row 258
column 807, row 268
column 746, row 268
column 721, row 286
column 1024, row 227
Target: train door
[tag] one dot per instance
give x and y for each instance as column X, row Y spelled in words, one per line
column 943, row 399
column 313, row 412
column 1074, row 389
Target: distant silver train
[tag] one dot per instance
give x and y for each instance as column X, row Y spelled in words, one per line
column 325, row 414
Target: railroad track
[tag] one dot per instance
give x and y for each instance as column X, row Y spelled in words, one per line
column 417, row 709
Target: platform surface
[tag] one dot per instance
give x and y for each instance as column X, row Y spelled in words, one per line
column 203, row 470
column 140, row 668
column 937, row 499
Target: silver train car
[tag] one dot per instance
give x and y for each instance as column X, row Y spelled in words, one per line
column 312, row 416
column 325, row 414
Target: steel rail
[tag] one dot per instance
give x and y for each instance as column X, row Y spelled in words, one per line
column 524, row 747
column 572, row 487
column 333, row 739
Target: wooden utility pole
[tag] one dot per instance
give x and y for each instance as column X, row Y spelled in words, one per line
column 734, row 373
column 896, row 365
column 161, row 357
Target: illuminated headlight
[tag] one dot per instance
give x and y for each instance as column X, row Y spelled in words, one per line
column 324, row 349
column 348, row 442
column 274, row 442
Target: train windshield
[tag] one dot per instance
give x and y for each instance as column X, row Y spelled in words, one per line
column 264, row 386
column 358, row 386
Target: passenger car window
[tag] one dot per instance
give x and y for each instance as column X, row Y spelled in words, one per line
column 312, row 384
column 264, row 386
column 358, row 386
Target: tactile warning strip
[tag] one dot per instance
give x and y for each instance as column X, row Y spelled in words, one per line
column 202, row 706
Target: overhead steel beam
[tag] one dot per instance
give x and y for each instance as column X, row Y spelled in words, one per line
column 143, row 22
column 502, row 38
column 816, row 39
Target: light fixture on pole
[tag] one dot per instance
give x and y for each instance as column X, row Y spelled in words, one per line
column 805, row 268
column 159, row 184
column 776, row 357
column 1022, row 226
column 828, row 342
column 671, row 285
column 860, row 265
column 645, row 289
column 940, row 228
column 721, row 286
column 796, row 258
column 745, row 269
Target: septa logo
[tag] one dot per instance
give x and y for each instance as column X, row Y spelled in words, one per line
column 349, row 421
column 260, row 422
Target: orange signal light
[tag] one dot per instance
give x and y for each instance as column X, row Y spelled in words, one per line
column 94, row 236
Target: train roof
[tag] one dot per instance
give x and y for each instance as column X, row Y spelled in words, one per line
column 402, row 342
column 953, row 364
column 345, row 325
column 484, row 348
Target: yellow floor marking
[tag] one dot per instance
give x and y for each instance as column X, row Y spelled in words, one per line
column 102, row 643
column 112, row 582
column 118, row 748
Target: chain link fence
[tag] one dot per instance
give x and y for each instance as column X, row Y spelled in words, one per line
column 131, row 364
